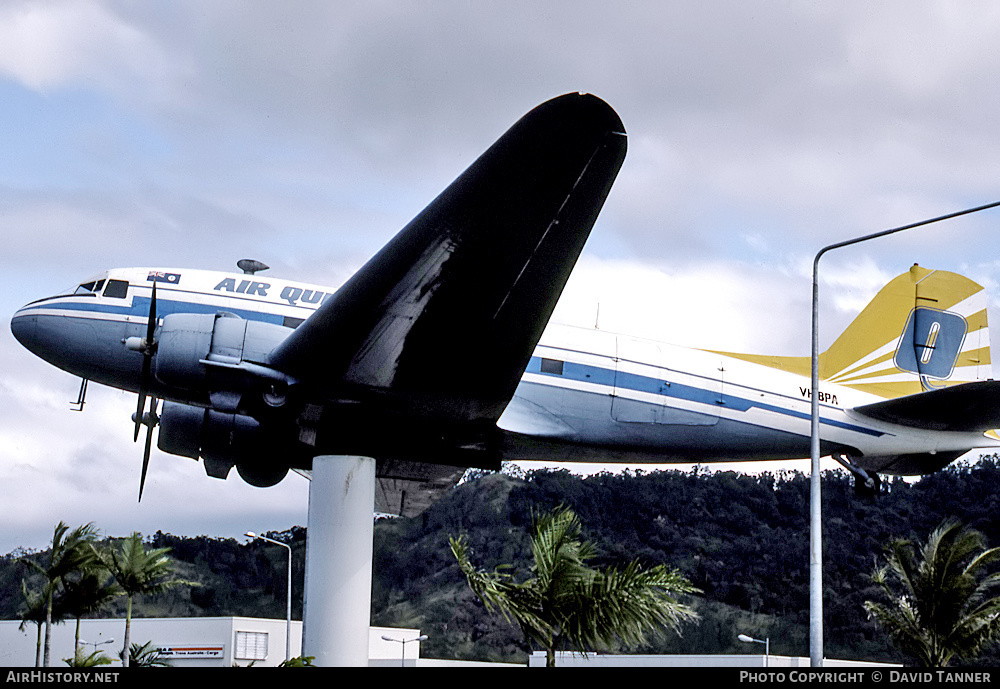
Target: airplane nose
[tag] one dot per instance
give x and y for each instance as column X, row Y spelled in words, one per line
column 25, row 327
column 69, row 342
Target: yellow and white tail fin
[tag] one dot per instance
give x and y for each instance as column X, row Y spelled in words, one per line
column 924, row 330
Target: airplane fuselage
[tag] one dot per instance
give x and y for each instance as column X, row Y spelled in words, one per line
column 586, row 395
column 640, row 400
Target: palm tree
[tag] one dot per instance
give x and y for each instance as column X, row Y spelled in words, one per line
column 567, row 602
column 138, row 571
column 146, row 655
column 87, row 592
column 94, row 659
column 34, row 611
column 940, row 603
column 69, row 553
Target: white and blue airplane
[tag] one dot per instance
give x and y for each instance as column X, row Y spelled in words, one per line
column 436, row 356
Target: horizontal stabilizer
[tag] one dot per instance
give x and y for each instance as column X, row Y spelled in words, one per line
column 971, row 407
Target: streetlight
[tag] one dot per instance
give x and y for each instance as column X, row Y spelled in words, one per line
column 767, row 646
column 403, row 642
column 95, row 644
column 288, row 593
column 815, row 504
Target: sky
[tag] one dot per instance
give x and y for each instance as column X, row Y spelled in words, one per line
column 306, row 133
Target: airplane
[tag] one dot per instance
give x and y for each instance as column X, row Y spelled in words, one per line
column 437, row 355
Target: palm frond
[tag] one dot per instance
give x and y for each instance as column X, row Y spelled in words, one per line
column 939, row 595
column 568, row 602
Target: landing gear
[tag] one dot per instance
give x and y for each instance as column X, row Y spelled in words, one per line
column 866, row 485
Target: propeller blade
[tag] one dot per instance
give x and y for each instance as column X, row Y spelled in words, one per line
column 148, row 347
column 141, row 408
column 151, row 323
column 145, row 460
column 150, row 421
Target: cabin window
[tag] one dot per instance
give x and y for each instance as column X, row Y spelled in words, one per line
column 553, row 366
column 117, row 289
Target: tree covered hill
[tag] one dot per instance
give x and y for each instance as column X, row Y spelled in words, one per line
column 742, row 539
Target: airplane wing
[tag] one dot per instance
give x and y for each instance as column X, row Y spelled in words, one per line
column 969, row 407
column 408, row 488
column 442, row 321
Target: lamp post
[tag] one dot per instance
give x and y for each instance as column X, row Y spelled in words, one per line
column 95, row 644
column 767, row 646
column 403, row 642
column 815, row 504
column 288, row 593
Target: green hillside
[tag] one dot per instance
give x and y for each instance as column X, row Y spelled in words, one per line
column 742, row 539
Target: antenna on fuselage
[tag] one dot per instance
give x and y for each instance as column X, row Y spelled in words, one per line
column 251, row 266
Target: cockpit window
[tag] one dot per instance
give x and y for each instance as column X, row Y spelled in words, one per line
column 92, row 287
column 117, row 289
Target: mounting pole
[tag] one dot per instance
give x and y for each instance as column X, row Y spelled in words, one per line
column 815, row 502
column 338, row 582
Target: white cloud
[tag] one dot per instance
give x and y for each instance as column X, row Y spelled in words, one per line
column 712, row 305
column 66, row 43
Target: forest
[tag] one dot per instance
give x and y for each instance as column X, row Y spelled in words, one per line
column 741, row 539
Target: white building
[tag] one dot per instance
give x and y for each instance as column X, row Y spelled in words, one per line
column 191, row 641
column 598, row 660
column 230, row 641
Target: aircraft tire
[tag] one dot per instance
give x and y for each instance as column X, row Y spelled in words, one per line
column 261, row 475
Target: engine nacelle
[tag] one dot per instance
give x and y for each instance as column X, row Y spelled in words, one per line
column 222, row 440
column 214, row 352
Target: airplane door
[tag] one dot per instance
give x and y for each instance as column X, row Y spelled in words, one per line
column 645, row 392
column 639, row 382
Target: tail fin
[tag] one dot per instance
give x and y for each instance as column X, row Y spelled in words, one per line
column 924, row 330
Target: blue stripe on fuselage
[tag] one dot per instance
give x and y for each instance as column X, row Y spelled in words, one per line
column 164, row 307
column 638, row 383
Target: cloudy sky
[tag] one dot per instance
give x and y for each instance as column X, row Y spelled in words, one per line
column 306, row 133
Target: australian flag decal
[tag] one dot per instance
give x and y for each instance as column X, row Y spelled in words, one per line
column 160, row 276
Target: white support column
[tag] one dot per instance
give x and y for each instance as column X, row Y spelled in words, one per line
column 338, row 583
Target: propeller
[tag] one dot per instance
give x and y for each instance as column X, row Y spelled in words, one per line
column 147, row 347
